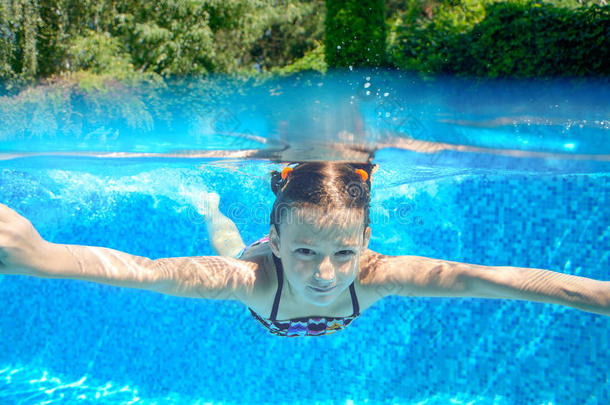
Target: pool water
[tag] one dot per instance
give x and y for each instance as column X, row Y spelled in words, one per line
column 515, row 195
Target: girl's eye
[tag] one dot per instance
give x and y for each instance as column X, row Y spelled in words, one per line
column 346, row 252
column 308, row 251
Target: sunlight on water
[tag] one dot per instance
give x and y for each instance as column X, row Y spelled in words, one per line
column 41, row 387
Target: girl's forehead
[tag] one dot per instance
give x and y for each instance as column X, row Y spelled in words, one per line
column 306, row 225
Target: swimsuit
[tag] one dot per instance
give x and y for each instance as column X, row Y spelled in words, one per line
column 307, row 326
column 258, row 242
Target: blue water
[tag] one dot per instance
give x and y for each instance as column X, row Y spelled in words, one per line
column 355, row 109
column 71, row 341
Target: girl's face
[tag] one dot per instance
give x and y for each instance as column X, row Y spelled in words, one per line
column 320, row 252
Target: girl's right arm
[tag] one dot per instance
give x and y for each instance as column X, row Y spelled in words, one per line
column 24, row 252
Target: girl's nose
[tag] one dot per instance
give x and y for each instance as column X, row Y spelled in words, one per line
column 326, row 271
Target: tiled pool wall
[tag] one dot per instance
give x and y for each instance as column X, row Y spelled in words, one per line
column 402, row 350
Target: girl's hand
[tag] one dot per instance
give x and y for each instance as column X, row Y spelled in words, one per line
column 21, row 247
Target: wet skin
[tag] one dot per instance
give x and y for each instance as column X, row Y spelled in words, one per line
column 319, row 250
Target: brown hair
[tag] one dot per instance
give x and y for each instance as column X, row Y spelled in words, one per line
column 328, row 185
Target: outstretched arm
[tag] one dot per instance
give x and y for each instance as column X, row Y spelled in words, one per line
column 422, row 276
column 24, row 252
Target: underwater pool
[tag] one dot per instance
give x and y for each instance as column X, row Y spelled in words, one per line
column 499, row 174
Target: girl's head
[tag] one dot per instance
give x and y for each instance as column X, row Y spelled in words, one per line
column 320, row 226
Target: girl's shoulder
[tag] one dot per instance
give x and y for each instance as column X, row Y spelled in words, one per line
column 370, row 275
column 261, row 255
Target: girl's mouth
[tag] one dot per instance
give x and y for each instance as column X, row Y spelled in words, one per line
column 322, row 290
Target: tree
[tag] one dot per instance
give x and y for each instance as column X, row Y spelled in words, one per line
column 355, row 33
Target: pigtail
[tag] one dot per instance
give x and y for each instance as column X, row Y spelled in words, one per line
column 276, row 178
column 368, row 168
column 276, row 181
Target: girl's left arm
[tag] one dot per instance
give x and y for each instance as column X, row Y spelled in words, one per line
column 422, row 276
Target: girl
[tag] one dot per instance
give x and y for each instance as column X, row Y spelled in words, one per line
column 312, row 275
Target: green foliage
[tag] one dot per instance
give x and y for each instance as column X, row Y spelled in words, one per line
column 166, row 38
column 355, row 33
column 99, row 53
column 19, row 22
column 97, row 41
column 293, row 29
column 515, row 38
column 311, row 61
column 170, row 37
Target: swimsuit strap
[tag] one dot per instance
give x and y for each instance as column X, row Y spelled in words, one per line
column 280, row 282
column 352, row 292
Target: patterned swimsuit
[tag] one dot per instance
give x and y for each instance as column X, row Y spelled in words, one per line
column 307, row 326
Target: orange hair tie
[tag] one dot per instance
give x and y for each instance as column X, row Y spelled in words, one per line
column 285, row 172
column 362, row 174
